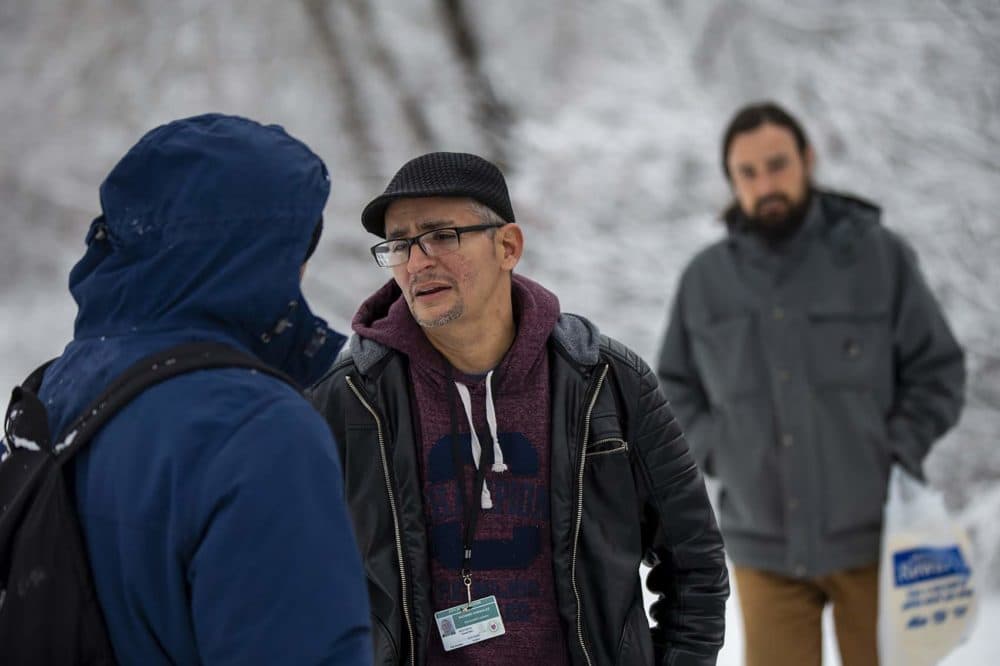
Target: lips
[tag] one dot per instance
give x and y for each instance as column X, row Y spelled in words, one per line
column 772, row 203
column 426, row 290
column 431, row 291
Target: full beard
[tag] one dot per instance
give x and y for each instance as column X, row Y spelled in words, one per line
column 777, row 229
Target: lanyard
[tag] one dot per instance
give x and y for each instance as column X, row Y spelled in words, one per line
column 470, row 506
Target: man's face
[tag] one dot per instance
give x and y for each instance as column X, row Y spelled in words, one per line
column 467, row 284
column 769, row 175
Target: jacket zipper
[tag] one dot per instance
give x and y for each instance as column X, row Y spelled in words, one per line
column 395, row 517
column 622, row 447
column 579, row 511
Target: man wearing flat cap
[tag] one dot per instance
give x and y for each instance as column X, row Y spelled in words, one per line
column 507, row 466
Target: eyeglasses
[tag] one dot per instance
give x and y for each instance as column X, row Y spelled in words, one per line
column 434, row 243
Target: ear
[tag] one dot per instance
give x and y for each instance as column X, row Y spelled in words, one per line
column 511, row 244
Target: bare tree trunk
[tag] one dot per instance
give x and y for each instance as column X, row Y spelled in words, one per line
column 492, row 114
column 383, row 60
column 348, row 94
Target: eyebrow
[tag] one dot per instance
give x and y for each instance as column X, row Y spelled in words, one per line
column 778, row 160
column 422, row 226
column 770, row 162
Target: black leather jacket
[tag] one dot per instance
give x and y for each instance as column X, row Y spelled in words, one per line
column 624, row 489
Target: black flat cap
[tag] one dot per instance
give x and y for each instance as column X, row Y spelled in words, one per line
column 442, row 175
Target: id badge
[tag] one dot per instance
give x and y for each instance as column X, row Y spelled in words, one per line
column 461, row 626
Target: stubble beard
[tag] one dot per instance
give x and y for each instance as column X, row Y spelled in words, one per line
column 451, row 315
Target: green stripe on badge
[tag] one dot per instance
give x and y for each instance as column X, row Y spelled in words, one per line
column 480, row 610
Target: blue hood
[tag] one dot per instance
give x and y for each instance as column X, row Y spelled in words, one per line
column 211, row 505
column 206, row 223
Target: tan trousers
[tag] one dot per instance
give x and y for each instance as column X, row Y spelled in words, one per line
column 782, row 617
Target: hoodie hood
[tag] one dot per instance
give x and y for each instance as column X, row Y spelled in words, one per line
column 206, row 223
column 385, row 318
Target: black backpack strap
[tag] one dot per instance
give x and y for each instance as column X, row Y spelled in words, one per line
column 151, row 370
column 26, row 418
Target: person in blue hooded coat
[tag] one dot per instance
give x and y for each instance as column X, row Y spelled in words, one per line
column 212, row 505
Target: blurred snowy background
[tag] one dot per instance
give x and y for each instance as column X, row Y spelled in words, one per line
column 606, row 116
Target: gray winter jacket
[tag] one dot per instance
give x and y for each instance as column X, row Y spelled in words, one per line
column 801, row 374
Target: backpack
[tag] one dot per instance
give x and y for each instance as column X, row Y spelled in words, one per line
column 49, row 612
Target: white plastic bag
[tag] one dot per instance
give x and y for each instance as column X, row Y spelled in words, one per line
column 927, row 598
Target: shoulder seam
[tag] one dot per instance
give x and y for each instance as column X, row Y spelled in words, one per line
column 613, row 348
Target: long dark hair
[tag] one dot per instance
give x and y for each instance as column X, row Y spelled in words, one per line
column 751, row 117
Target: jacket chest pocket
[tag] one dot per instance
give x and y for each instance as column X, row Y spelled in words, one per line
column 605, row 430
column 849, row 348
column 606, row 436
column 726, row 353
column 606, row 446
column 608, row 464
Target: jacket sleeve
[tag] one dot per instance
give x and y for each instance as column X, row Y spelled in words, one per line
column 930, row 368
column 682, row 540
column 275, row 576
column 682, row 385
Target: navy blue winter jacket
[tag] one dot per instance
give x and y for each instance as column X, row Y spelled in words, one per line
column 212, row 506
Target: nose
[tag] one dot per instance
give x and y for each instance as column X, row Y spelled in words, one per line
column 418, row 259
column 764, row 185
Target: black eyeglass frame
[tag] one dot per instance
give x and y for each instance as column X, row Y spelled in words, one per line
column 416, row 240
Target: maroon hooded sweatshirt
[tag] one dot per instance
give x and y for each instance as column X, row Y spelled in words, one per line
column 512, row 548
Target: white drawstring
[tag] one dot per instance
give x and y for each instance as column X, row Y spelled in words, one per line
column 491, row 419
column 486, row 501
